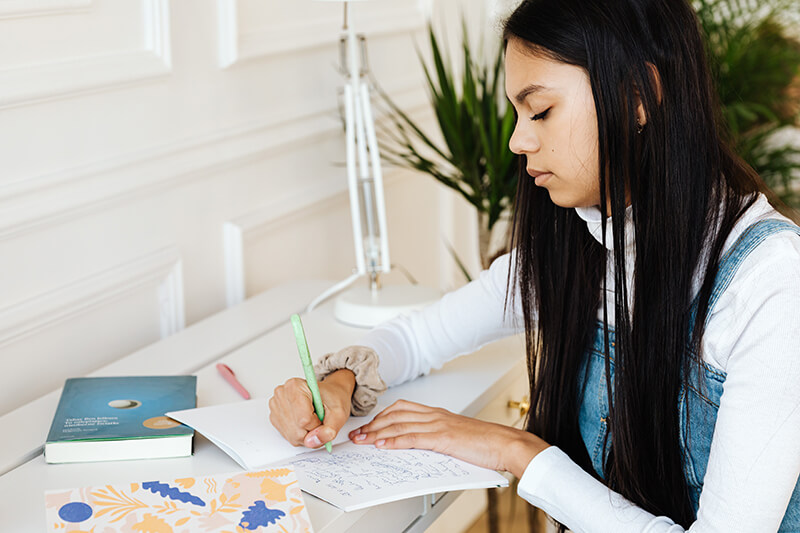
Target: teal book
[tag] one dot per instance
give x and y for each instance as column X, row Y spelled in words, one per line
column 121, row 418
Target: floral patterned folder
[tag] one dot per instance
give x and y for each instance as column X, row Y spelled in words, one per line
column 262, row 501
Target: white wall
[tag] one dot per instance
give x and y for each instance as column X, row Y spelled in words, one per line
column 141, row 140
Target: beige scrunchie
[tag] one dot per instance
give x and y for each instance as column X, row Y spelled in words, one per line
column 363, row 362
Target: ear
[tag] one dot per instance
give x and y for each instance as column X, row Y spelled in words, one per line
column 655, row 81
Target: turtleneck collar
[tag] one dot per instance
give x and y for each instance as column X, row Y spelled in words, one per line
column 595, row 219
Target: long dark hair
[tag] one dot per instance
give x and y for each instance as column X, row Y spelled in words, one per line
column 687, row 190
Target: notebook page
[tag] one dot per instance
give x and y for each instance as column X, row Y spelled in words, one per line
column 358, row 476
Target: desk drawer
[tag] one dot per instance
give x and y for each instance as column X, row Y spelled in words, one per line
column 498, row 409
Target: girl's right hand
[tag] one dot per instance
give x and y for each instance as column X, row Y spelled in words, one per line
column 292, row 410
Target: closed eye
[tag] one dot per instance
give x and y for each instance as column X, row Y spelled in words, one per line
column 540, row 116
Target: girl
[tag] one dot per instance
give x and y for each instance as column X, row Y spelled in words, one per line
column 658, row 290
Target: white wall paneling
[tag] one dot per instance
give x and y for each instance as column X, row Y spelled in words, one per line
column 163, row 267
column 259, row 225
column 301, row 203
column 312, row 234
column 36, row 202
column 145, row 188
column 52, row 198
column 42, row 79
column 26, row 326
column 251, row 29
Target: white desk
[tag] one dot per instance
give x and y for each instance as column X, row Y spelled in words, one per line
column 255, row 339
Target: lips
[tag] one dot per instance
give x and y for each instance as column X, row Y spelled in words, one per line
column 540, row 177
column 536, row 173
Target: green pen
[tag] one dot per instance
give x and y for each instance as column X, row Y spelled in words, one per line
column 308, row 370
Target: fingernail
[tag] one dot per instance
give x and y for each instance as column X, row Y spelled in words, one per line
column 313, row 442
column 362, row 436
column 356, row 431
column 380, row 442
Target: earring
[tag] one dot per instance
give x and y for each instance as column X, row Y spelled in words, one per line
column 639, row 126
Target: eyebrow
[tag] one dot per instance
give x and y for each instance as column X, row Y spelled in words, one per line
column 527, row 91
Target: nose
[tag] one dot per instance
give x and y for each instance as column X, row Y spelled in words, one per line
column 523, row 140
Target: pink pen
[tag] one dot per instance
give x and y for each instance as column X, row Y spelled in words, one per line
column 230, row 377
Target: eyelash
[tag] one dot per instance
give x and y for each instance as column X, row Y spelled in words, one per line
column 540, row 116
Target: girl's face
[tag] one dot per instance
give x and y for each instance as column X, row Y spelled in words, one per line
column 556, row 127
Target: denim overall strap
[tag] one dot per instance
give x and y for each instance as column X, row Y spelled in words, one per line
column 733, row 258
column 700, row 401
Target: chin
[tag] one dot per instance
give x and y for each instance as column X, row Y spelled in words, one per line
column 564, row 201
column 569, row 201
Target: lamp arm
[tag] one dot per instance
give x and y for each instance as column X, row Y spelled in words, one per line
column 352, row 179
column 377, row 176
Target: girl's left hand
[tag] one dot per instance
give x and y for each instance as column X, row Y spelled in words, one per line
column 407, row 424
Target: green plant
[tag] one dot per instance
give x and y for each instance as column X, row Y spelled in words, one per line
column 756, row 66
column 475, row 124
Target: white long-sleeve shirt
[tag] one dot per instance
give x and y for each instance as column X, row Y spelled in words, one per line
column 753, row 334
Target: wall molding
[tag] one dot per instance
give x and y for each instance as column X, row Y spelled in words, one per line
column 28, row 8
column 233, row 250
column 236, row 46
column 171, row 303
column 33, row 83
column 161, row 268
column 34, row 203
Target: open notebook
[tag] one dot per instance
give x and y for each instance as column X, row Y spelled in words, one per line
column 352, row 477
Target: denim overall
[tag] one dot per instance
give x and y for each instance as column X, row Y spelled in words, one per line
column 702, row 403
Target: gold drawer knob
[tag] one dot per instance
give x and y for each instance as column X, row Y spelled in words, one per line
column 524, row 405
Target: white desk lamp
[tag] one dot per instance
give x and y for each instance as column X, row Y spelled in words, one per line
column 370, row 305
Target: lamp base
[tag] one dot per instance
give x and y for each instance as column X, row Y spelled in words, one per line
column 365, row 308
